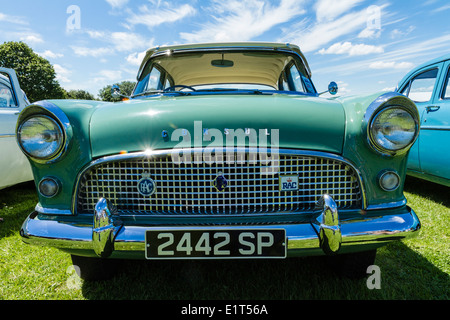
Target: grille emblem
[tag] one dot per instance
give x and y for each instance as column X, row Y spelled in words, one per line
column 289, row 183
column 220, row 182
column 146, row 186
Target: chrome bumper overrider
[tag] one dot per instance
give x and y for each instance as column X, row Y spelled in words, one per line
column 109, row 236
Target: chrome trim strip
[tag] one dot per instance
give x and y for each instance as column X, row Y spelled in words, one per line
column 439, row 128
column 40, row 209
column 389, row 205
column 7, row 135
column 150, row 153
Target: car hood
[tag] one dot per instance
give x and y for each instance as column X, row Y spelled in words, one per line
column 301, row 122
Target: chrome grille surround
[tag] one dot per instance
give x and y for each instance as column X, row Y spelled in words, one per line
column 187, row 189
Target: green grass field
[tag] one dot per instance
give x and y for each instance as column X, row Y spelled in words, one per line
column 413, row 269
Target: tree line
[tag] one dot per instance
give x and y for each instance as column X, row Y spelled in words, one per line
column 37, row 77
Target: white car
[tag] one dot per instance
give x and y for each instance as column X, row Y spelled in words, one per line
column 14, row 166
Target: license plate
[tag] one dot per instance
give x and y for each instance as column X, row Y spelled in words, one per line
column 215, row 244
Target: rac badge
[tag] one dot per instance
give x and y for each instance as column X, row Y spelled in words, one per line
column 288, row 183
column 220, row 182
column 146, row 186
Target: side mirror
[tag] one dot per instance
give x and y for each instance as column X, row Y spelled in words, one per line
column 333, row 88
column 115, row 91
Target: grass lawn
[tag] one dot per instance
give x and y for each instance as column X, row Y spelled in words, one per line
column 413, row 269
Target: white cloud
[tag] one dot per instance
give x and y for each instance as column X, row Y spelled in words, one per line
column 30, row 38
column 442, row 8
column 343, row 88
column 334, row 19
column 370, row 33
column 48, row 54
column 108, row 76
column 121, row 41
column 95, row 34
column 112, row 74
column 396, row 33
column 327, row 10
column 411, row 53
column 311, row 36
column 136, row 58
column 125, row 41
column 425, row 48
column 390, row 65
column 351, row 49
column 13, row 19
column 243, row 20
column 62, row 73
column 117, row 3
column 91, row 52
column 154, row 17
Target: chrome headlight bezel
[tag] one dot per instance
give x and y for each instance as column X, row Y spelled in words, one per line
column 56, row 138
column 388, row 103
column 51, row 112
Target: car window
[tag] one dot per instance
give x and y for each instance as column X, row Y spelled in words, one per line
column 446, row 94
column 421, row 87
column 296, row 79
column 152, row 81
column 6, row 97
column 282, row 82
column 239, row 69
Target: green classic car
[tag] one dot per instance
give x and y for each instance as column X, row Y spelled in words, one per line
column 223, row 151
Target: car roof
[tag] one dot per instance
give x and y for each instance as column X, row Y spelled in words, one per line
column 424, row 65
column 204, row 46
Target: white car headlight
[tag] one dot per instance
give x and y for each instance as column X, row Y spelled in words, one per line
column 41, row 137
column 393, row 129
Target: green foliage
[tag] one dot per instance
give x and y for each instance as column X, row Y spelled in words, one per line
column 80, row 95
column 36, row 75
column 126, row 88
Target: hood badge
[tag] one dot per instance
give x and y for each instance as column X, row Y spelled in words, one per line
column 220, row 182
column 146, row 186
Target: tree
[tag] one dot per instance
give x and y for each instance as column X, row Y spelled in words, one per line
column 126, row 89
column 36, row 75
column 79, row 95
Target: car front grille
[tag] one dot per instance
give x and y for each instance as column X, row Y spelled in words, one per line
column 188, row 189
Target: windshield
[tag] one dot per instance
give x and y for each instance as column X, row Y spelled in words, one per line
column 224, row 71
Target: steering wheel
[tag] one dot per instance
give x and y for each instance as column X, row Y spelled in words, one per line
column 178, row 86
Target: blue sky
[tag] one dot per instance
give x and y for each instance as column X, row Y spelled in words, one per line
column 364, row 46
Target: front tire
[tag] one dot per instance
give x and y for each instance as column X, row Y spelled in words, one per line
column 94, row 269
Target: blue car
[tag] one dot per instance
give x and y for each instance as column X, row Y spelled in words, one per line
column 428, row 86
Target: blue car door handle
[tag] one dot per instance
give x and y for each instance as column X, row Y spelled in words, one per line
column 432, row 108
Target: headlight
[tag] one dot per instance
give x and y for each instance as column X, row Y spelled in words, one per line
column 393, row 129
column 40, row 137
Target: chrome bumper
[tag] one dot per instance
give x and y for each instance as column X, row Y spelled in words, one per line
column 108, row 236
